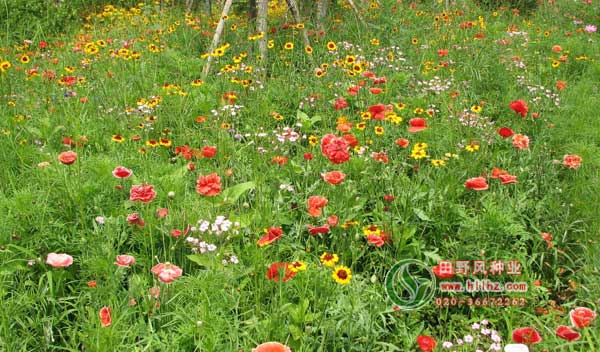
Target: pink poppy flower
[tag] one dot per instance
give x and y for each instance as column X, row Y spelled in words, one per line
column 125, row 261
column 167, row 272
column 59, row 260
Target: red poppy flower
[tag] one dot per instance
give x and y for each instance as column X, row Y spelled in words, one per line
column 426, row 343
column 442, row 274
column 526, row 335
column 442, row 52
column 308, row 156
column 334, row 177
column 379, row 80
column 378, row 111
column 135, row 219
column 271, row 347
column 209, row 185
column 496, row 172
column 121, row 172
column 417, row 124
column 335, row 149
column 312, row 230
column 565, row 332
column 376, row 90
column 273, row 234
column 520, row 107
column 505, row 132
column 144, row 193
column 273, row 273
column 368, row 74
column 315, row 203
column 402, row 142
column 520, row 141
column 332, row 220
column 353, row 90
column 376, row 240
column 67, row 158
column 508, row 179
column 572, row 161
column 350, row 139
column 340, row 104
column 477, row 184
column 105, row 318
column 209, row 151
column 582, row 317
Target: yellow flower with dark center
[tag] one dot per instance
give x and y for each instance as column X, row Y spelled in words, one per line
column 152, row 143
column 472, row 147
column 308, row 49
column 320, row 73
column 342, row 275
column 329, row 259
column 414, row 41
column 331, row 46
column 24, row 59
column 165, row 142
column 117, row 138
column 297, row 266
column 476, row 109
column 438, row 162
column 379, row 130
column 288, row 46
column 313, row 140
column 4, row 65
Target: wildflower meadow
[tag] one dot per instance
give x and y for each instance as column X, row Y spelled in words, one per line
column 367, row 175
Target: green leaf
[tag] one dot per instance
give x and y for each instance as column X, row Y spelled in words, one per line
column 202, row 260
column 421, row 215
column 231, row 194
column 296, row 332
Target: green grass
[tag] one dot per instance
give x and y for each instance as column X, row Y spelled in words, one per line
column 82, row 210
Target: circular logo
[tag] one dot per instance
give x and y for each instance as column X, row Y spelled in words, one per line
column 410, row 284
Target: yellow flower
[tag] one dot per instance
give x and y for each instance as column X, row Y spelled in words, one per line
column 288, row 46
column 342, row 275
column 297, row 266
column 313, row 140
column 4, row 66
column 308, row 49
column 331, row 46
column 379, row 130
column 476, row 109
column 438, row 162
column 472, row 147
column 361, row 126
column 329, row 259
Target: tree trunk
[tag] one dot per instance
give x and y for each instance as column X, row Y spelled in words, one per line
column 252, row 10
column 262, row 28
column 216, row 37
column 322, row 7
column 293, row 5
